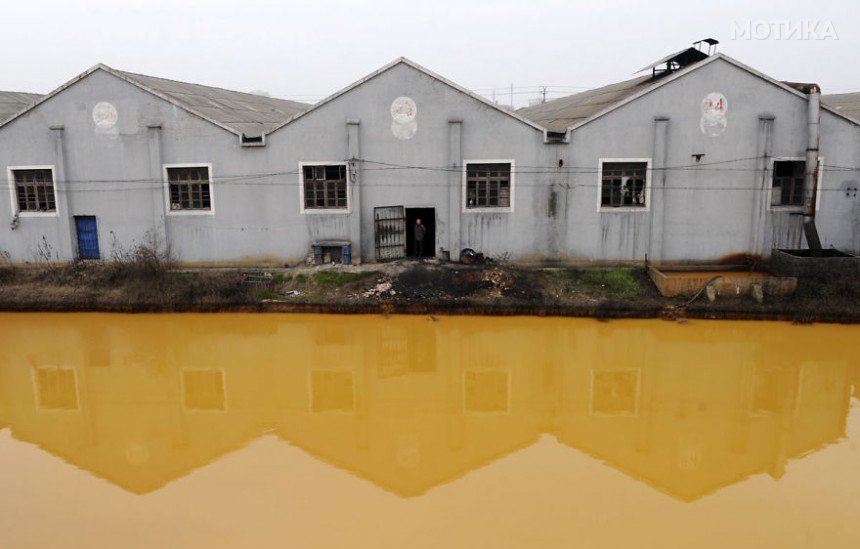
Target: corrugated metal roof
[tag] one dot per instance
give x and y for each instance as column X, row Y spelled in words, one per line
column 560, row 114
column 11, row 103
column 846, row 103
column 247, row 113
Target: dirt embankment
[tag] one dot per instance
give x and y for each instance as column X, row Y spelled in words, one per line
column 148, row 283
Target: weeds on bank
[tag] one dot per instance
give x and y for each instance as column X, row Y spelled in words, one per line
column 8, row 272
column 143, row 275
column 615, row 283
column 337, row 278
column 268, row 294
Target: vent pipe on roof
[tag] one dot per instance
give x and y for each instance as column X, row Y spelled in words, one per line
column 810, row 182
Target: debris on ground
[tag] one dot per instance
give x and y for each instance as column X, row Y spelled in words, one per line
column 499, row 281
column 382, row 288
column 468, row 256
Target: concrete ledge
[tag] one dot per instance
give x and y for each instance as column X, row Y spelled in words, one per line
column 728, row 281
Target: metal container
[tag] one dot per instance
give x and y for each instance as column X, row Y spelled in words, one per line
column 346, row 255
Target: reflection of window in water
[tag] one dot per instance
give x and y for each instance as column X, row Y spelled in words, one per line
column 614, row 392
column 56, row 388
column 332, row 335
column 773, row 389
column 393, row 356
column 203, row 390
column 402, row 353
column 332, row 390
column 486, row 391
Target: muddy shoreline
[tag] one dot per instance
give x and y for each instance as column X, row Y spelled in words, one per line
column 668, row 312
column 407, row 289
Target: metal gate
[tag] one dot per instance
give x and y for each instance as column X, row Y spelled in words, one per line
column 88, row 236
column 389, row 229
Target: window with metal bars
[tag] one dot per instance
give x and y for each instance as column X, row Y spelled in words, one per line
column 623, row 184
column 325, row 187
column 34, row 190
column 189, row 188
column 488, row 185
column 788, row 177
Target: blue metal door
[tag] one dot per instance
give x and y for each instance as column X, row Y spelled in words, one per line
column 88, row 236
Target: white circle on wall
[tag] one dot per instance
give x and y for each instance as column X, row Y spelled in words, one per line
column 403, row 110
column 715, row 105
column 713, row 128
column 714, row 108
column 405, row 130
column 104, row 115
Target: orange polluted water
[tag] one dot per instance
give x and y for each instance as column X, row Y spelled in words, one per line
column 359, row 431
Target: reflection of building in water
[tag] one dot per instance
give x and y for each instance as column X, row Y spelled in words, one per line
column 410, row 404
column 55, row 388
column 204, row 389
column 144, row 413
column 709, row 414
column 855, row 380
column 614, row 392
column 412, row 425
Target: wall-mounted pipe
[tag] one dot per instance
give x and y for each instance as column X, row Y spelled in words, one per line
column 810, row 183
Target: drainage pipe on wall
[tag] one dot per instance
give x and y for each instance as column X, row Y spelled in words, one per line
column 810, row 183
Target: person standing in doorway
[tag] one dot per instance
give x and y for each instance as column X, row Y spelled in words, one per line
column 419, row 233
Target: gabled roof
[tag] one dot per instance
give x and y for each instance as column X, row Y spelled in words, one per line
column 427, row 72
column 247, row 113
column 237, row 112
column 560, row 114
column 12, row 103
column 571, row 112
column 846, row 103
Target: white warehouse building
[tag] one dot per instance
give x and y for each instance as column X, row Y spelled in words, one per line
column 701, row 158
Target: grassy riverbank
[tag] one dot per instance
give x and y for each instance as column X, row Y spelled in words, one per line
column 146, row 282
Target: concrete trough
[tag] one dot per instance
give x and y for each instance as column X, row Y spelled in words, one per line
column 816, row 263
column 727, row 280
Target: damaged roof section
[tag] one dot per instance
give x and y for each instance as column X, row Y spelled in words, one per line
column 246, row 113
column 846, row 103
column 560, row 114
column 11, row 103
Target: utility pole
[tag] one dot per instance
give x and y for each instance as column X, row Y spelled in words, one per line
column 543, row 94
column 512, row 96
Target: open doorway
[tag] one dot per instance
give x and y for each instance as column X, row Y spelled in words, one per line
column 428, row 219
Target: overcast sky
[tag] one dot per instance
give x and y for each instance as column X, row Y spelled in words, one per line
column 307, row 50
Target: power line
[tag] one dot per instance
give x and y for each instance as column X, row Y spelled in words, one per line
column 280, row 178
column 516, row 169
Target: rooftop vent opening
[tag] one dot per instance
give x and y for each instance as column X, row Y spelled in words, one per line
column 556, row 137
column 252, row 140
column 676, row 61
